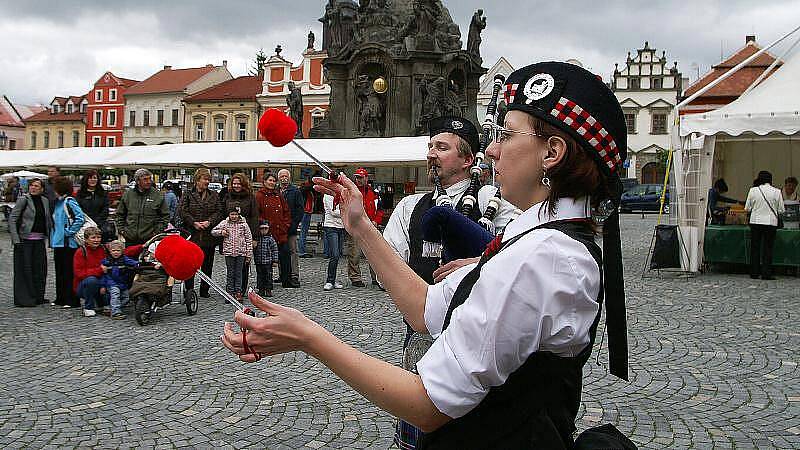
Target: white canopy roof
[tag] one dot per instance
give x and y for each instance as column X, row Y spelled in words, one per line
column 23, row 174
column 369, row 151
column 772, row 106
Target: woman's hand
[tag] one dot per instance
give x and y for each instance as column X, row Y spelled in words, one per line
column 283, row 330
column 351, row 202
column 442, row 272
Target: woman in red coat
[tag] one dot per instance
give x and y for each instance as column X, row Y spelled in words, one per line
column 273, row 208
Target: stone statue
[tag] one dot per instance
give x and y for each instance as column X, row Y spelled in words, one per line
column 331, row 28
column 476, row 26
column 295, row 102
column 425, row 14
column 370, row 108
column 310, row 40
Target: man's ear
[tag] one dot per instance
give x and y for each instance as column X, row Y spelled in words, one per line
column 469, row 161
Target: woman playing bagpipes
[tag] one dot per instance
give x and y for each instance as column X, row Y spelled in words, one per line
column 514, row 330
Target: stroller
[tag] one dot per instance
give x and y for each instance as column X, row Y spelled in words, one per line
column 151, row 289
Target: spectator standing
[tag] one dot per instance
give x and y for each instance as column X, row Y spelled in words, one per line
column 200, row 213
column 93, row 198
column 789, row 190
column 333, row 227
column 117, row 277
column 30, row 225
column 237, row 247
column 88, row 271
column 142, row 212
column 305, row 223
column 353, row 251
column 241, row 195
column 765, row 204
column 273, row 208
column 171, row 199
column 52, row 173
column 296, row 203
column 265, row 257
column 68, row 218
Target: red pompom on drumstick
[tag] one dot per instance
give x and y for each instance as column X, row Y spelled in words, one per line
column 180, row 258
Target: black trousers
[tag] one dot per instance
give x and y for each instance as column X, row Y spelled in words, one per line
column 264, row 277
column 30, row 273
column 207, row 268
column 62, row 259
column 762, row 241
column 284, row 263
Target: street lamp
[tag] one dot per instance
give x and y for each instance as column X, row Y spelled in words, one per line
column 3, row 140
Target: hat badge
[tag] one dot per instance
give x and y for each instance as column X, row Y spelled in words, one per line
column 538, row 87
column 457, row 125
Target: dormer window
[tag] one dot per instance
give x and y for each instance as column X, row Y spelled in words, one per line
column 70, row 108
column 55, row 108
column 83, row 106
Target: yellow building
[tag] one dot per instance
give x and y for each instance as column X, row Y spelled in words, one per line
column 62, row 125
column 225, row 112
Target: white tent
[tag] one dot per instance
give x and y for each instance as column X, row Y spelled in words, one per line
column 22, row 174
column 398, row 151
column 758, row 131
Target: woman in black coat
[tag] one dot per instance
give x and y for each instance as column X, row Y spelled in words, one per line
column 92, row 198
column 30, row 224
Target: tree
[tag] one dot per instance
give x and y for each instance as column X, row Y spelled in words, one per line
column 258, row 63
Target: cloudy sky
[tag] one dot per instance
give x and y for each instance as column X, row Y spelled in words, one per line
column 61, row 47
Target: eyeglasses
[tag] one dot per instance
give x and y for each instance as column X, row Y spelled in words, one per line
column 500, row 134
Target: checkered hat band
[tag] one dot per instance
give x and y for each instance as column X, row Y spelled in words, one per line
column 589, row 129
column 510, row 92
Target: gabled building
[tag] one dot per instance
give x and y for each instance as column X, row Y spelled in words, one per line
column 106, row 111
column 62, row 125
column 647, row 90
column 732, row 87
column 153, row 107
column 228, row 111
column 308, row 76
column 12, row 127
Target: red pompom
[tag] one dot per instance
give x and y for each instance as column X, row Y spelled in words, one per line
column 276, row 127
column 180, row 258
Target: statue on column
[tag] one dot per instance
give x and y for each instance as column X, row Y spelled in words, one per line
column 311, row 39
column 476, row 26
column 295, row 102
column 370, row 107
column 331, row 25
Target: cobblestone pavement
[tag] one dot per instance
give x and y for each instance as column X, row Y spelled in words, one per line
column 713, row 365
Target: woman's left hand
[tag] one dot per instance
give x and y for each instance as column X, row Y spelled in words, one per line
column 283, row 330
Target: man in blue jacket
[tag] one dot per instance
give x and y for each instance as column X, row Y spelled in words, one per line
column 294, row 198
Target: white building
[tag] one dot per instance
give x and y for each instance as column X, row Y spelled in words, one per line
column 502, row 66
column 648, row 91
column 153, row 109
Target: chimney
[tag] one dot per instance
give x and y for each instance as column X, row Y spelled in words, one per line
column 750, row 38
column 167, row 67
column 224, row 63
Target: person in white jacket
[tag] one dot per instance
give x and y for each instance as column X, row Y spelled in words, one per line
column 333, row 228
column 765, row 204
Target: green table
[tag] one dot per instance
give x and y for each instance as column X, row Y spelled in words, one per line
column 731, row 244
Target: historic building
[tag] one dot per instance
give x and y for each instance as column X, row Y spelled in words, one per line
column 648, row 91
column 227, row 111
column 12, row 123
column 153, row 107
column 502, row 66
column 62, row 125
column 732, row 87
column 105, row 111
column 307, row 77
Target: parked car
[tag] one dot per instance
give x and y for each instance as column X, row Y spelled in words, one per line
column 644, row 197
column 628, row 183
column 216, row 187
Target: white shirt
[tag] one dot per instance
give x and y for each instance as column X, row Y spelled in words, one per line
column 540, row 293
column 396, row 231
column 333, row 216
column 760, row 212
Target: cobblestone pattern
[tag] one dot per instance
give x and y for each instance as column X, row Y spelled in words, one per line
column 713, row 365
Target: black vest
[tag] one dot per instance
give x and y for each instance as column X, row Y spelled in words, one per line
column 537, row 405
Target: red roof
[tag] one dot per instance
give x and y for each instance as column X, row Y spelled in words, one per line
column 169, row 80
column 9, row 117
column 737, row 83
column 46, row 116
column 28, row 110
column 241, row 88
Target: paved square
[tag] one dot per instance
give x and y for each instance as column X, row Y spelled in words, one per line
column 714, row 364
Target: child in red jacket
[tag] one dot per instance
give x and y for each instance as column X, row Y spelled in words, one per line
column 87, row 272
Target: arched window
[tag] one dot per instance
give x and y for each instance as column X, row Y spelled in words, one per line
column 33, row 140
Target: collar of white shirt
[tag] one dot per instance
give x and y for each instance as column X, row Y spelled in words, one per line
column 566, row 208
column 458, row 188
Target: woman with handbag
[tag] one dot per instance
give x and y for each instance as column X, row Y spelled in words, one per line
column 92, row 198
column 30, row 225
column 765, row 204
column 68, row 221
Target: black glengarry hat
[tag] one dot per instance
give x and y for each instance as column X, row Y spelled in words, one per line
column 456, row 125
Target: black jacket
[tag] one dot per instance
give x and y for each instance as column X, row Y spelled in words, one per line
column 95, row 205
column 296, row 201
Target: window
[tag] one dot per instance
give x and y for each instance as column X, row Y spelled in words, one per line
column 76, row 139
column 160, row 117
column 70, row 108
column 60, row 139
column 55, row 108
column 112, row 95
column 96, row 141
column 146, row 120
column 174, row 117
column 112, row 118
column 111, row 141
column 242, row 131
column 657, row 83
column 98, row 118
column 635, row 83
column 659, row 123
column 630, row 122
column 220, row 131
column 198, row 131
column 46, row 139
column 33, row 140
column 98, row 95
column 83, row 106
column 12, row 144
column 132, row 119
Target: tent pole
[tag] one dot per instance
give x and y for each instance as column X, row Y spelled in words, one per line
column 664, row 188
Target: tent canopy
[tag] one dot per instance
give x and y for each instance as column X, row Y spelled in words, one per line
column 22, row 174
column 397, row 151
column 772, row 106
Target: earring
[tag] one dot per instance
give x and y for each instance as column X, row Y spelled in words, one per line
column 545, row 179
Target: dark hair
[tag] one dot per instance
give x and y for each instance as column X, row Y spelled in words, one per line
column 85, row 183
column 62, row 185
column 763, row 177
column 36, row 180
column 577, row 175
column 720, row 185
